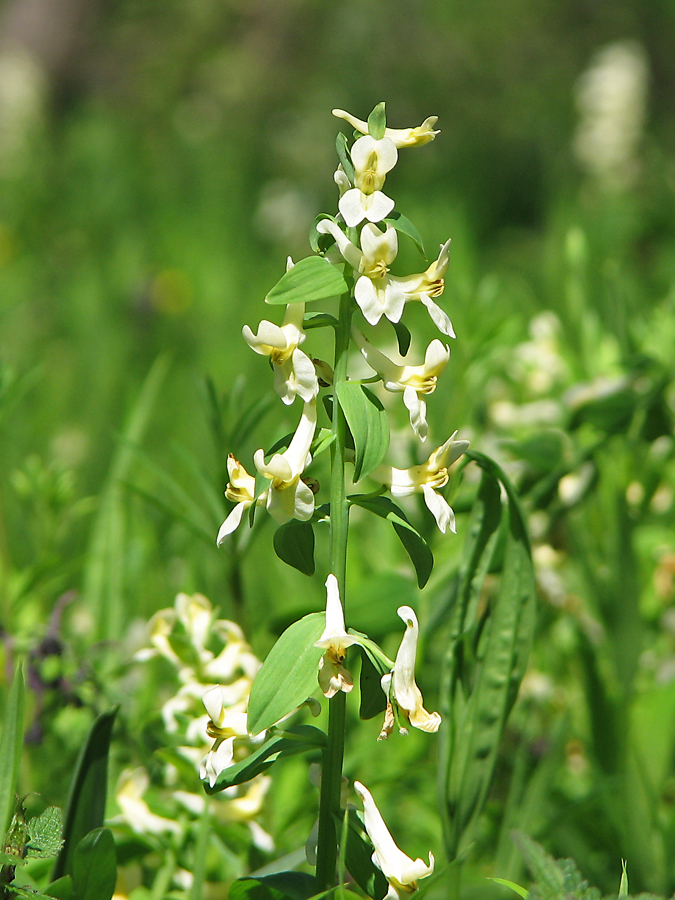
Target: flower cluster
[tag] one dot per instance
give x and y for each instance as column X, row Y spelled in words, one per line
column 213, row 661
column 358, row 247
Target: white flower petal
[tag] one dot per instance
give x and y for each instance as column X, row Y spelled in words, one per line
column 232, row 522
column 440, row 509
column 418, row 412
column 438, row 316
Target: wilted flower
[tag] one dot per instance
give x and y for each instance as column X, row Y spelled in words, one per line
column 240, row 490
column 426, row 478
column 401, row 872
column 400, row 685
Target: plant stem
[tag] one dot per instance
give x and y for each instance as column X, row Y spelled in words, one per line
column 331, row 775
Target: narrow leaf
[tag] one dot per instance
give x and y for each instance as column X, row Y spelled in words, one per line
column 377, row 122
column 10, row 749
column 85, row 809
column 416, row 547
column 312, row 278
column 294, row 545
column 403, row 337
column 296, row 739
column 95, row 866
column 368, row 424
column 623, row 886
column 288, row 676
column 280, row 886
column 403, row 225
column 343, row 155
column 372, row 701
column 523, row 892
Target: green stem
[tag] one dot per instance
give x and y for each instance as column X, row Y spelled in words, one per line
column 331, row 775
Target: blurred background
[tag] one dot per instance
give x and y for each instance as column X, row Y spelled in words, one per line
column 159, row 161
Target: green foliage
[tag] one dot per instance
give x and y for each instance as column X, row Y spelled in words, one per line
column 44, row 833
column 289, row 674
column 368, row 424
column 312, row 278
column 415, row 545
column 85, row 809
column 294, row 544
column 95, row 866
column 377, row 122
column 10, row 749
column 292, row 740
column 488, row 652
column 281, row 886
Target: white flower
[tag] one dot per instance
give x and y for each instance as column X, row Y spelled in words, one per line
column 375, row 291
column 426, row 478
column 400, row 685
column 224, row 724
column 131, row 786
column 427, row 285
column 288, row 497
column 372, row 160
column 402, row 137
column 241, row 490
column 333, row 676
column 219, row 758
column 293, row 370
column 401, row 872
column 412, row 381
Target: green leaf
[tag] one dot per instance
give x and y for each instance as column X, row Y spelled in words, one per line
column 85, row 809
column 403, row 337
column 312, row 278
column 280, row 886
column 95, row 866
column 292, row 740
column 343, row 155
column 10, row 749
column 482, row 677
column 294, row 545
column 403, row 225
column 545, row 870
column 29, row 893
column 623, row 886
column 372, row 701
column 62, row 889
column 358, row 857
column 368, row 424
column 319, row 241
column 322, row 441
column 523, row 892
column 319, row 320
column 377, row 122
column 44, row 832
column 288, row 676
column 416, row 547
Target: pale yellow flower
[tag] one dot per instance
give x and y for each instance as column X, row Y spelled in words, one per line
column 402, row 137
column 333, row 676
column 426, row 479
column 414, row 382
column 401, row 872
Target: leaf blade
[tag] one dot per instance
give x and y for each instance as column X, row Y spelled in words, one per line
column 311, row 278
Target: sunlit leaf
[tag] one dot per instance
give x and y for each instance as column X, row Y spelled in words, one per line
column 312, row 278
column 289, row 675
column 10, row 748
column 377, row 122
column 368, row 424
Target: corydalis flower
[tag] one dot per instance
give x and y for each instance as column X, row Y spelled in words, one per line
column 401, row 872
column 414, row 382
column 427, row 285
column 333, row 676
column 427, row 479
column 293, row 370
column 372, row 160
column 402, row 137
column 224, row 724
column 376, row 292
column 240, row 490
column 400, row 685
column 288, row 497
